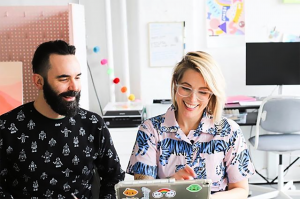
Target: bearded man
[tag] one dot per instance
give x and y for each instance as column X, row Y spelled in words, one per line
column 62, row 144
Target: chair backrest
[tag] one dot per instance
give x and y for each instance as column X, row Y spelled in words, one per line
column 280, row 114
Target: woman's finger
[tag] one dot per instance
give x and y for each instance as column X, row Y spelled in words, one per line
column 190, row 171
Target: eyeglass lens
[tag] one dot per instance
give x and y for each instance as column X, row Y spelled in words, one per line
column 187, row 91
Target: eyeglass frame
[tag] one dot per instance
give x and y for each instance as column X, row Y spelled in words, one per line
column 193, row 91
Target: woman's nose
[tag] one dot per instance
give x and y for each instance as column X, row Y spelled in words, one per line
column 193, row 96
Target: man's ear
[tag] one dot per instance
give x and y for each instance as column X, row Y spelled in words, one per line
column 38, row 80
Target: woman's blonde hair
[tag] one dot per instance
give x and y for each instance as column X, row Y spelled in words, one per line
column 203, row 63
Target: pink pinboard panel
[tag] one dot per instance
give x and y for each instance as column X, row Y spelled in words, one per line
column 22, row 29
column 11, row 86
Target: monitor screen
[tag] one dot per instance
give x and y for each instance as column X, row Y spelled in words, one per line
column 273, row 63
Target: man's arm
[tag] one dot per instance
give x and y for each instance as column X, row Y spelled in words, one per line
column 108, row 164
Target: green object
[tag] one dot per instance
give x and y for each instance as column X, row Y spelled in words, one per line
column 194, row 188
column 110, row 71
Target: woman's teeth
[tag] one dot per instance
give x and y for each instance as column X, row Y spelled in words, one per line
column 190, row 105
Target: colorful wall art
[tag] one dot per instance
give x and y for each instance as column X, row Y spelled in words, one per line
column 225, row 17
column 11, row 86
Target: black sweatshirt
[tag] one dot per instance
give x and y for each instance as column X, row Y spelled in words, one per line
column 55, row 158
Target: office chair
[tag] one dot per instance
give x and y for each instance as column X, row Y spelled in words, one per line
column 280, row 117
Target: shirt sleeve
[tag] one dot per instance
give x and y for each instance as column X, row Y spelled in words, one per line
column 239, row 165
column 108, row 164
column 3, row 167
column 143, row 159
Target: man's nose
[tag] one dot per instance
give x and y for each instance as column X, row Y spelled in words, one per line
column 74, row 85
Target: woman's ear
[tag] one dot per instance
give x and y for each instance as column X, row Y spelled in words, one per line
column 38, row 80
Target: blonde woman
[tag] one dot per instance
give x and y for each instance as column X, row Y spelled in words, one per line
column 192, row 140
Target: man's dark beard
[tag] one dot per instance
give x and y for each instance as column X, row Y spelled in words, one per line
column 58, row 104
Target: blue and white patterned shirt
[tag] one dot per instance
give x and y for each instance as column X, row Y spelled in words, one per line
column 216, row 152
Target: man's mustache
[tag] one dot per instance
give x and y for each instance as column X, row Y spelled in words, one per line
column 69, row 94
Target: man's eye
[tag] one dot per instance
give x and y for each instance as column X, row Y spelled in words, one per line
column 63, row 80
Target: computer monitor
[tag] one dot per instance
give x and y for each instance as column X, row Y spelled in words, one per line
column 276, row 63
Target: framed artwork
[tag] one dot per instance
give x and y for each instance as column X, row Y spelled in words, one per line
column 225, row 21
column 225, row 17
column 11, row 86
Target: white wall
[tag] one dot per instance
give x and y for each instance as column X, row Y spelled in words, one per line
column 155, row 82
column 152, row 83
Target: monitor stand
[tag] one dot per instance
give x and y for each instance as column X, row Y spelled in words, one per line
column 279, row 89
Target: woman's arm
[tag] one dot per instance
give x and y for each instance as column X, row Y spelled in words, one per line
column 142, row 177
column 238, row 190
column 187, row 173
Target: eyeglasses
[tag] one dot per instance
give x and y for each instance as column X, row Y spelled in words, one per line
column 185, row 91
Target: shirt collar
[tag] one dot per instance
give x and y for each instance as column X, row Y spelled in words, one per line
column 206, row 124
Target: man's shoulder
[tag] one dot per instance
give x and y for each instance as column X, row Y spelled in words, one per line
column 18, row 110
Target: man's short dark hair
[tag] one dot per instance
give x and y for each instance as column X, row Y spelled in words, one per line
column 40, row 61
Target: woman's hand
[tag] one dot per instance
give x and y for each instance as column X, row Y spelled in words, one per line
column 187, row 173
